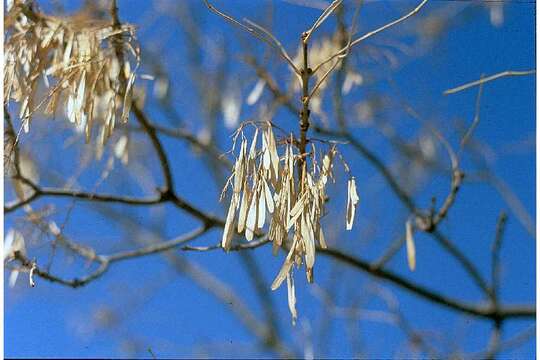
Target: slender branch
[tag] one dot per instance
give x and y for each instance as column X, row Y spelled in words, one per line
column 513, row 342
column 476, row 310
column 495, row 340
column 467, row 264
column 484, row 80
column 269, row 39
column 430, row 222
column 157, row 248
column 326, row 13
column 235, row 247
column 169, row 193
column 74, row 283
column 275, row 43
column 41, row 192
column 495, row 256
column 151, row 131
column 483, row 311
column 476, row 118
column 409, row 203
column 392, row 250
column 105, row 260
column 340, row 59
column 341, row 72
column 370, row 34
column 192, row 139
column 376, row 162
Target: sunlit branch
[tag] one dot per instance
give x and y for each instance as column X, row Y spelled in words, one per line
column 104, row 261
column 484, row 311
column 270, row 40
column 370, row 34
column 484, row 80
column 326, row 13
column 340, row 58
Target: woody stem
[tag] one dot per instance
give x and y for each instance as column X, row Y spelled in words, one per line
column 304, row 114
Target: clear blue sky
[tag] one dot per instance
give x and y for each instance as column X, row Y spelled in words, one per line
column 156, row 308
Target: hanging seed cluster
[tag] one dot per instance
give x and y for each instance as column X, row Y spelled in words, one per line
column 75, row 59
column 269, row 188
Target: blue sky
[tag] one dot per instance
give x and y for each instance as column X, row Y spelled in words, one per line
column 156, row 307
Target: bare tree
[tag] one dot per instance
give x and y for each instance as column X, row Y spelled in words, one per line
column 141, row 126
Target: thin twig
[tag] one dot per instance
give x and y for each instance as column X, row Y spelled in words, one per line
column 157, row 248
column 41, row 192
column 475, row 310
column 326, row 13
column 340, row 58
column 276, row 43
column 405, row 198
column 408, row 201
column 105, row 260
column 269, row 40
column 390, row 252
column 495, row 256
column 476, row 119
column 371, row 33
column 484, row 311
column 513, row 342
column 484, row 80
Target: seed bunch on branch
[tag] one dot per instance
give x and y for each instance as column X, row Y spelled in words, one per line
column 76, row 60
column 263, row 182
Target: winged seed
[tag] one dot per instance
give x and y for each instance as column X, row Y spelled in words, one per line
column 411, row 250
column 285, row 269
column 268, row 195
column 251, row 218
column 243, row 212
column 228, row 230
column 261, row 212
column 291, row 296
column 352, row 201
column 256, row 93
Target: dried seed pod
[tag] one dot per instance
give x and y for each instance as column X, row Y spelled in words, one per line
column 228, row 231
column 285, row 268
column 261, row 209
column 291, row 297
column 77, row 62
column 256, row 93
column 251, row 220
column 409, row 240
column 262, row 181
column 243, row 212
column 352, row 201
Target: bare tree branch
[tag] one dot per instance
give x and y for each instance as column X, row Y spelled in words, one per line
column 484, row 80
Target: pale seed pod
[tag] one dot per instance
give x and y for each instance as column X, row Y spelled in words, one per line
column 352, row 201
column 251, row 221
column 291, row 297
column 411, row 249
column 228, row 231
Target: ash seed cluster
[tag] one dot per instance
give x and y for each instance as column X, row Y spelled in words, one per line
column 267, row 187
column 74, row 58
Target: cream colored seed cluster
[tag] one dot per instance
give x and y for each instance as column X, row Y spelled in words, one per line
column 74, row 58
column 264, row 183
